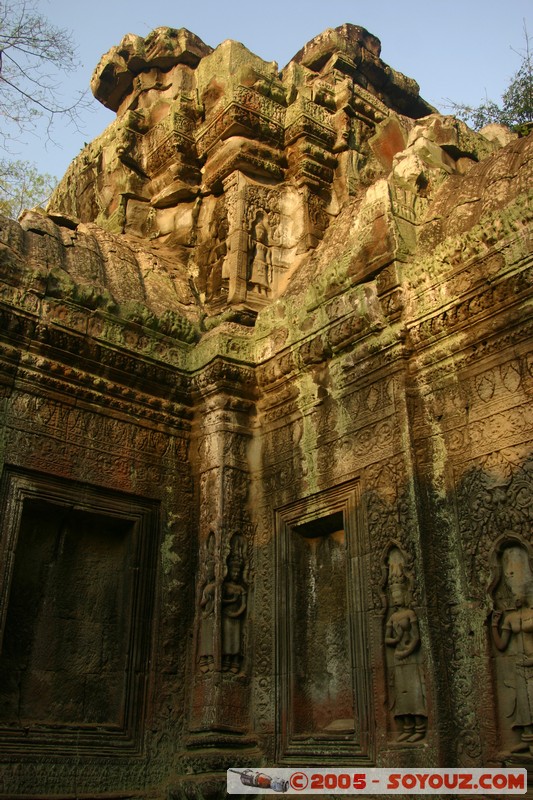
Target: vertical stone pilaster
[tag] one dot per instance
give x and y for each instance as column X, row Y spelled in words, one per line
column 221, row 658
column 238, row 237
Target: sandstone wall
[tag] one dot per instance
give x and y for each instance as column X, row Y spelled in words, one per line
column 228, row 505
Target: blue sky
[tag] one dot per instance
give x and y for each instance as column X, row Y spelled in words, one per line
column 455, row 49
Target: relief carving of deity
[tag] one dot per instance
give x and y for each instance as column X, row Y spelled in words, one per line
column 222, row 608
column 512, row 635
column 402, row 636
column 260, row 269
column 233, row 609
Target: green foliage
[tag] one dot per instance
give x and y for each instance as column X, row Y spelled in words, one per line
column 33, row 55
column 23, row 186
column 516, row 106
column 518, row 98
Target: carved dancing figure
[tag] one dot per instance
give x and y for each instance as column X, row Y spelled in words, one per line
column 233, row 608
column 512, row 631
column 402, row 633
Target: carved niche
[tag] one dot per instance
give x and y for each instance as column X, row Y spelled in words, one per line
column 76, row 609
column 323, row 696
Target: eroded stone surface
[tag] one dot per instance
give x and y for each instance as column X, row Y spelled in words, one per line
column 217, row 155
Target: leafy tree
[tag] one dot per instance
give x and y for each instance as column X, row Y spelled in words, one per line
column 23, row 186
column 33, row 55
column 516, row 106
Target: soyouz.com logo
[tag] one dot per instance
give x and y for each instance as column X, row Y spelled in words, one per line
column 344, row 780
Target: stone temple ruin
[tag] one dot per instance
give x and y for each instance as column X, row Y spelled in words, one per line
column 266, row 441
